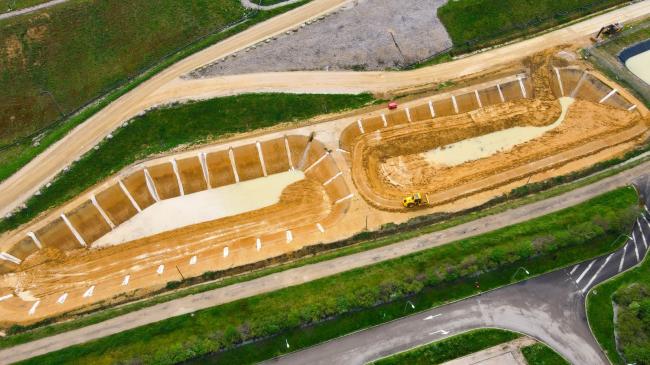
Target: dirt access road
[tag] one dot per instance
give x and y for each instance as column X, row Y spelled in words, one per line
column 167, row 86
column 312, row 272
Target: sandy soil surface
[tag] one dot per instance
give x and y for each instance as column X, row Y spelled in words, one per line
column 167, row 87
column 391, row 163
column 364, row 35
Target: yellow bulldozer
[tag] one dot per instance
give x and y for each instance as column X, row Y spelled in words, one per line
column 413, row 200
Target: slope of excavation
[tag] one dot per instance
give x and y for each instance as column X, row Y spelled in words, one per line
column 449, row 158
column 475, row 148
column 202, row 206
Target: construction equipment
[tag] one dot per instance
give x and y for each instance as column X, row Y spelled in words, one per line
column 609, row 30
column 413, row 200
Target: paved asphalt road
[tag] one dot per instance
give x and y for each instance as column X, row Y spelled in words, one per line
column 31, row 9
column 550, row 308
column 312, row 272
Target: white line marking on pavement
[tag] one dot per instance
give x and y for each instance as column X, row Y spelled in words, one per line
column 645, row 243
column 89, row 292
column 32, row 310
column 636, row 248
column 125, row 282
column 344, row 198
column 574, row 269
column 193, row 260
column 225, row 251
column 597, row 272
column 160, row 270
column 442, row 332
column 289, row 236
column 432, row 317
column 620, row 266
column 585, row 272
column 62, row 298
column 332, row 178
column 320, row 228
column 258, row 244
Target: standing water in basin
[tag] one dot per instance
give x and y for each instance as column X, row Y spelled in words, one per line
column 486, row 145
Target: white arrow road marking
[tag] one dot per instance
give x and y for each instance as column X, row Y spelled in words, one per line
column 125, row 282
column 62, row 298
column 597, row 272
column 89, row 292
column 620, row 266
column 442, row 332
column 193, row 260
column 432, row 317
column 585, row 272
column 32, row 310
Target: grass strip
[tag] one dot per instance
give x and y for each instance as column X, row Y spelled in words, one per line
column 540, row 354
column 450, row 348
column 23, row 334
column 163, row 129
column 18, row 156
column 326, row 308
column 476, row 24
column 600, row 313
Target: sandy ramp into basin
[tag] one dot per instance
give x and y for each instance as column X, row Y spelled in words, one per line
column 486, row 145
column 201, row 207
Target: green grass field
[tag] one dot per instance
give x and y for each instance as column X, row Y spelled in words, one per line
column 78, row 50
column 11, row 5
column 163, row 129
column 631, row 292
column 540, row 354
column 450, row 348
column 474, row 24
column 427, row 278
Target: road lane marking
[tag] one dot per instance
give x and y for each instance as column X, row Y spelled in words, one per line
column 620, row 266
column 125, row 282
column 160, row 270
column 258, row 244
column 320, row 227
column 289, row 236
column 636, row 248
column 574, row 269
column 442, row 332
column 62, row 298
column 597, row 272
column 645, row 243
column 432, row 317
column 193, row 260
column 585, row 272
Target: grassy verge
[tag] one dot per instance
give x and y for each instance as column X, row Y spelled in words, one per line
column 631, row 292
column 11, row 5
column 124, row 80
column 20, row 334
column 450, row 348
column 540, row 354
column 163, row 129
column 371, row 295
column 475, row 24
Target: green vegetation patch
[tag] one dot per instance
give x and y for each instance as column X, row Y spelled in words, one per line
column 540, row 354
column 54, row 61
column 631, row 293
column 353, row 300
column 474, row 24
column 633, row 321
column 163, row 129
column 450, row 348
column 11, row 5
